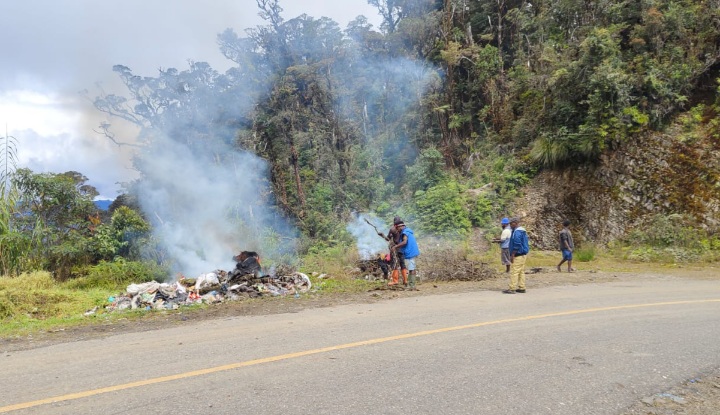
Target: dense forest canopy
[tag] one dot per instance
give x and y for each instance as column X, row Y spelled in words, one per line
column 313, row 121
column 341, row 115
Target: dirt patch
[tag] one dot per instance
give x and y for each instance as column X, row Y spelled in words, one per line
column 697, row 396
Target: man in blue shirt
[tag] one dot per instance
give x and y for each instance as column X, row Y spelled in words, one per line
column 519, row 249
column 410, row 250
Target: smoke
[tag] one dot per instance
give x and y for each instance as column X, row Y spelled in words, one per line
column 208, row 203
column 369, row 244
column 207, row 200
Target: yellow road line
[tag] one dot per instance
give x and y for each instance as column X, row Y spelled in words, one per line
column 194, row 373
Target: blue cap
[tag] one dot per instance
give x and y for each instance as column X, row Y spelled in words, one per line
column 505, row 221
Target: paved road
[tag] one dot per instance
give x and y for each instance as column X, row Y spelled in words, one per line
column 588, row 349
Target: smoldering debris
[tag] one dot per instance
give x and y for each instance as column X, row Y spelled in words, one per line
column 374, row 269
column 244, row 281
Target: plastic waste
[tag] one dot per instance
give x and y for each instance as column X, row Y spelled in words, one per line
column 206, row 280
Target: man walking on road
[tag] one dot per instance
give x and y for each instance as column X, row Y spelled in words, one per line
column 567, row 246
column 519, row 249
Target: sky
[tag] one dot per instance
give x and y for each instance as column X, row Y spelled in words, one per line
column 52, row 50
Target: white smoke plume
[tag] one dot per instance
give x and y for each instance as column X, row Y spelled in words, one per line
column 209, row 203
column 369, row 244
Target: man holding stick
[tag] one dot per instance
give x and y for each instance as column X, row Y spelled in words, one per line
column 397, row 259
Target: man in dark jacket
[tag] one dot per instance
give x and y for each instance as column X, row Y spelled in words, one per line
column 397, row 259
column 519, row 249
column 409, row 250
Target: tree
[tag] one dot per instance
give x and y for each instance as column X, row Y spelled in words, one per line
column 124, row 236
column 54, row 212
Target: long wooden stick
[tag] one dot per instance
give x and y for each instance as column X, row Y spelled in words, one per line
column 376, row 229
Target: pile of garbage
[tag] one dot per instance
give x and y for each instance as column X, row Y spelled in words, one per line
column 245, row 281
column 207, row 288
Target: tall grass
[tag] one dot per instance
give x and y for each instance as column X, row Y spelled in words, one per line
column 37, row 296
column 585, row 253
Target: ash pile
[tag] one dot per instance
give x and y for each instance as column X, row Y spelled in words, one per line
column 245, row 281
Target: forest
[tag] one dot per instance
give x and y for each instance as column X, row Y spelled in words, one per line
column 441, row 115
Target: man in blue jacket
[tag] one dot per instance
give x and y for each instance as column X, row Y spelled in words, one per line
column 410, row 250
column 519, row 249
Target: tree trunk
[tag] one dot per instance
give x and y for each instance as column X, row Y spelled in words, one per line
column 294, row 160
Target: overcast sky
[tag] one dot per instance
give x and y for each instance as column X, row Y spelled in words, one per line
column 53, row 49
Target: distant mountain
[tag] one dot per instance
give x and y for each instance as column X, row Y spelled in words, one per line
column 103, row 204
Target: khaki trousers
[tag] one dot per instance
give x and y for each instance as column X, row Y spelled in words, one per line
column 517, row 273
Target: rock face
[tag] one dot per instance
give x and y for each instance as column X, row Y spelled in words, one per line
column 662, row 173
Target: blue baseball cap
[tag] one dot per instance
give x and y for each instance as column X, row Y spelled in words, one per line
column 505, row 221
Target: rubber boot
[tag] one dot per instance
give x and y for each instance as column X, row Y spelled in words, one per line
column 404, row 273
column 412, row 280
column 394, row 278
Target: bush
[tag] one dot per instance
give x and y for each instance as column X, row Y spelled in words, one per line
column 667, row 231
column 117, row 275
column 663, row 255
column 671, row 238
column 441, row 210
column 481, row 213
column 428, row 170
column 333, row 260
column 586, row 253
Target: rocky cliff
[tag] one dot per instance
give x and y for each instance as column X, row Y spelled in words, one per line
column 677, row 171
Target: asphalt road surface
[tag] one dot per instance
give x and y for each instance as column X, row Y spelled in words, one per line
column 587, row 349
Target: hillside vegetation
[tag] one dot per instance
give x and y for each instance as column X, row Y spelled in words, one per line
column 447, row 114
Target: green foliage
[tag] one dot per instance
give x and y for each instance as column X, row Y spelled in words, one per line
column 61, row 202
column 37, row 296
column 504, row 175
column 482, row 212
column 15, row 244
column 585, row 253
column 361, row 121
column 663, row 255
column 332, row 260
column 116, row 275
column 671, row 238
column 691, row 124
column 53, row 213
column 428, row 170
column 125, row 235
column 665, row 231
column 442, row 210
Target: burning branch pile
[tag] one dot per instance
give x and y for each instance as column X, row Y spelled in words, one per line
column 373, row 269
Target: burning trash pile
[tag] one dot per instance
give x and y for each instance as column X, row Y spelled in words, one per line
column 244, row 281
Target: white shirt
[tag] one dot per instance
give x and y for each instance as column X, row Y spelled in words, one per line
column 505, row 237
